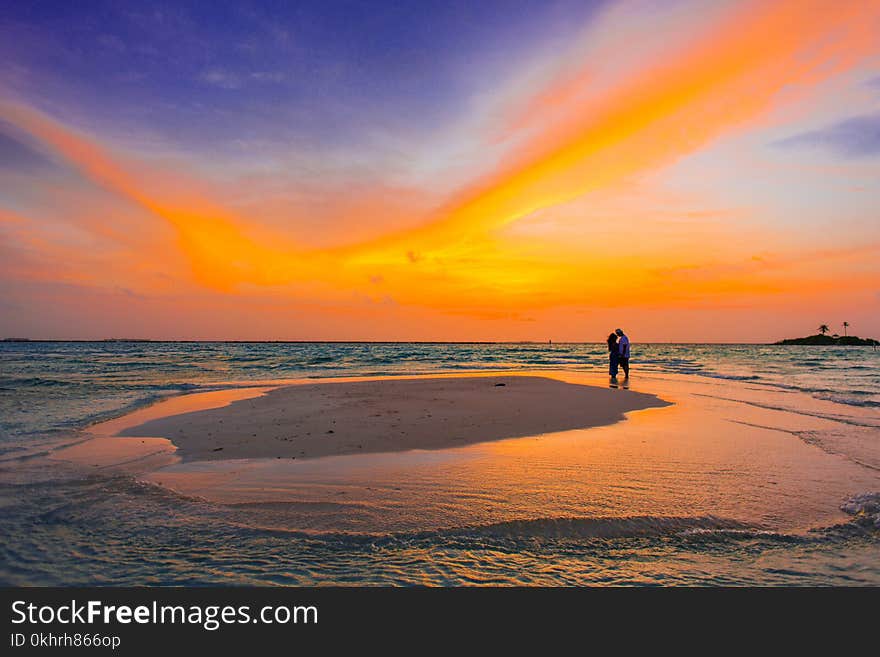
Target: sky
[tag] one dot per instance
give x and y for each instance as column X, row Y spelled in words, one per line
column 501, row 170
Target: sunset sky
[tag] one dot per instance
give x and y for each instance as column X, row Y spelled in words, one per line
column 494, row 170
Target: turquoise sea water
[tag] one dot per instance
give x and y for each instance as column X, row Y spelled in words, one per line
column 69, row 527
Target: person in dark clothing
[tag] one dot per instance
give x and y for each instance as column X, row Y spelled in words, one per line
column 613, row 355
column 623, row 352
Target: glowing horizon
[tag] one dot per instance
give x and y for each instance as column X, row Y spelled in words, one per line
column 549, row 172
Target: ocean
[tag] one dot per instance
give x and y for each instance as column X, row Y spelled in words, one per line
column 70, row 527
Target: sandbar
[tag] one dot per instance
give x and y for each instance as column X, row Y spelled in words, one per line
column 389, row 415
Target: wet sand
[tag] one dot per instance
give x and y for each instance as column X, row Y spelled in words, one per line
column 391, row 415
column 557, row 452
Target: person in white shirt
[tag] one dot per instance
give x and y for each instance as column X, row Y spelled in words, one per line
column 623, row 351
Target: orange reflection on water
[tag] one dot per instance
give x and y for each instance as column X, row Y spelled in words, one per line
column 710, row 456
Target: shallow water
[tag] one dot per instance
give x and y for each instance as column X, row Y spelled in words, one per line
column 98, row 530
column 752, row 497
column 52, row 387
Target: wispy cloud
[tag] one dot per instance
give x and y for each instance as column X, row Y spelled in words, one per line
column 226, row 79
column 17, row 153
column 220, row 78
column 858, row 136
column 267, row 76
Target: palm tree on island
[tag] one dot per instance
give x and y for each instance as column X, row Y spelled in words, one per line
column 845, row 326
column 823, row 329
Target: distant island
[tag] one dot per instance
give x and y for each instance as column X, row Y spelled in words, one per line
column 126, row 340
column 831, row 340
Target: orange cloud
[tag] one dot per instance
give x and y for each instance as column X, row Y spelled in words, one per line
column 459, row 259
column 670, row 108
column 218, row 248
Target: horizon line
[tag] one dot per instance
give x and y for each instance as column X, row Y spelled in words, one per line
column 438, row 342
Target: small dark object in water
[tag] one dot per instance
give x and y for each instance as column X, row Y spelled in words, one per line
column 218, row 449
column 331, row 431
column 497, row 385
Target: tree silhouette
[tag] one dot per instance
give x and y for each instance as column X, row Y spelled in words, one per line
column 845, row 326
column 824, row 329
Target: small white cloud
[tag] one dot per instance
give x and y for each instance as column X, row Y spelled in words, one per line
column 267, row 76
column 220, row 78
column 224, row 79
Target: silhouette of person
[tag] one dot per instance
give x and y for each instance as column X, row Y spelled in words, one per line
column 623, row 351
column 613, row 355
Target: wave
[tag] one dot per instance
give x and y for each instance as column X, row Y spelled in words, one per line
column 686, row 532
column 864, row 509
column 610, row 527
column 35, row 381
column 584, row 528
column 849, row 401
column 773, row 407
column 735, row 377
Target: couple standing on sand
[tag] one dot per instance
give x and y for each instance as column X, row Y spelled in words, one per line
column 618, row 353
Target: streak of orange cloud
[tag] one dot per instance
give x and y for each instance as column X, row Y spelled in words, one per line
column 457, row 260
column 669, row 109
column 219, row 250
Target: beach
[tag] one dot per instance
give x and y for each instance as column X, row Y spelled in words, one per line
column 429, row 453
column 390, row 415
column 526, row 476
